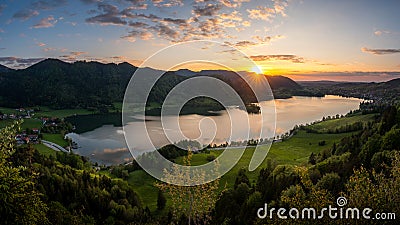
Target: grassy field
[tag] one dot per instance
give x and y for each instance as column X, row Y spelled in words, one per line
column 337, row 123
column 5, row 123
column 7, row 110
column 143, row 184
column 42, row 149
column 28, row 123
column 55, row 138
column 47, row 112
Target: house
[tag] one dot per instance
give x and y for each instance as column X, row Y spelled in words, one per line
column 33, row 138
column 25, row 139
column 35, row 131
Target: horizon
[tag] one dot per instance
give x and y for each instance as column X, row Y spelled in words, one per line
column 199, row 71
column 303, row 40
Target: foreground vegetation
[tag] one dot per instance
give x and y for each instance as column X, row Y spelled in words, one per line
column 310, row 169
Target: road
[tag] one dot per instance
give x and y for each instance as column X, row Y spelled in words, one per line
column 54, row 146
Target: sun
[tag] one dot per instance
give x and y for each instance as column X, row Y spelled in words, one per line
column 257, row 69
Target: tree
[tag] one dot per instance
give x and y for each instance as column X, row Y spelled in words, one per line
column 312, row 159
column 330, row 182
column 372, row 146
column 192, row 202
column 20, row 203
column 376, row 190
column 241, row 178
column 391, row 140
column 161, row 200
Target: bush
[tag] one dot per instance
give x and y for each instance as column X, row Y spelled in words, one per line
column 210, row 158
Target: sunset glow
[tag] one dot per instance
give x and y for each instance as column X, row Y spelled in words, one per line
column 257, row 70
column 304, row 40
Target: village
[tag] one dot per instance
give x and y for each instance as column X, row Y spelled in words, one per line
column 31, row 135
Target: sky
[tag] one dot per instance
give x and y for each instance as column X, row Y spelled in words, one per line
column 343, row 40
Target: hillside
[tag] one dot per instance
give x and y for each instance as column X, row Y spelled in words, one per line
column 4, row 69
column 381, row 93
column 94, row 85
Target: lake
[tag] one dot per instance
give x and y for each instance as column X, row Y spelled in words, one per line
column 106, row 144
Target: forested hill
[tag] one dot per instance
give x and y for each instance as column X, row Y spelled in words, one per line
column 82, row 84
column 4, row 69
column 64, row 85
column 382, row 92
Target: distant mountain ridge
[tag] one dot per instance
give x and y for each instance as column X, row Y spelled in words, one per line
column 82, row 84
column 383, row 92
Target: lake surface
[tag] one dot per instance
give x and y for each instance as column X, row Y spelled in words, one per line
column 106, row 144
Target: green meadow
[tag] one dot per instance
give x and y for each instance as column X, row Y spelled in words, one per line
column 337, row 123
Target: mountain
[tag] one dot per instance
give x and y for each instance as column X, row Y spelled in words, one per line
column 185, row 73
column 59, row 84
column 381, row 92
column 5, row 69
column 395, row 83
column 82, row 84
column 277, row 82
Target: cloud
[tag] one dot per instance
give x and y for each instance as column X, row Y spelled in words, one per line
column 207, row 10
column 380, row 32
column 261, row 13
column 171, row 3
column 16, row 62
column 244, row 44
column 175, row 21
column 90, row 1
column 290, row 58
column 109, row 16
column 268, row 13
column 233, row 3
column 35, row 7
column 268, row 39
column 49, row 49
column 166, row 32
column 259, row 41
column 40, row 44
column 138, row 25
column 48, row 5
column 2, row 7
column 345, row 76
column 46, row 22
column 133, row 35
column 137, row 4
column 206, row 21
column 25, row 14
column 280, row 6
column 121, row 59
column 235, row 15
column 73, row 56
column 380, row 51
